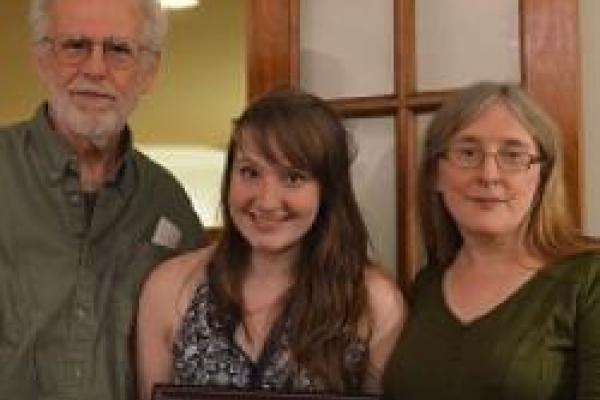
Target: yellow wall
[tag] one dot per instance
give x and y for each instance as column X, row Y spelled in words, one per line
column 19, row 89
column 200, row 88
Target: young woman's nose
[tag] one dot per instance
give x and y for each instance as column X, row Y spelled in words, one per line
column 269, row 193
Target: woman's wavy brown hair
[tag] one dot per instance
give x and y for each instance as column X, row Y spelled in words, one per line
column 328, row 295
column 551, row 231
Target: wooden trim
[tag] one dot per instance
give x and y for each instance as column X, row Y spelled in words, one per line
column 551, row 73
column 426, row 102
column 211, row 234
column 405, row 78
column 385, row 105
column 375, row 106
column 272, row 45
column 406, row 201
column 294, row 42
column 404, row 54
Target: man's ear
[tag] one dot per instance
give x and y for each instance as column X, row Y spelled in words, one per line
column 40, row 61
column 44, row 65
column 150, row 68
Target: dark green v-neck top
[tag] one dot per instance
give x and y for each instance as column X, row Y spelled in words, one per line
column 543, row 342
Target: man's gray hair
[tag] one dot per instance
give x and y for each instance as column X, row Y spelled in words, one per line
column 153, row 35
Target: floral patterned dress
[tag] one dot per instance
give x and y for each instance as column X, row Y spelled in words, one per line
column 206, row 354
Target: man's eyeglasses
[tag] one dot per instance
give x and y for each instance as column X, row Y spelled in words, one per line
column 507, row 159
column 74, row 50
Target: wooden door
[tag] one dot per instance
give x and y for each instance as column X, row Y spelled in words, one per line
column 549, row 69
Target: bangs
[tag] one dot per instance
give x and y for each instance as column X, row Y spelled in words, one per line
column 282, row 144
column 297, row 131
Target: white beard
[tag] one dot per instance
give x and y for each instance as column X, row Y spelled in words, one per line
column 100, row 128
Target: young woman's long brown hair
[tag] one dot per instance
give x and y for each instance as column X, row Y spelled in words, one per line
column 329, row 294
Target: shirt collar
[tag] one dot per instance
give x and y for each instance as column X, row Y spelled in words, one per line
column 59, row 160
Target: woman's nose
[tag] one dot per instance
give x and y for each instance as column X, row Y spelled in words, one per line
column 269, row 193
column 489, row 169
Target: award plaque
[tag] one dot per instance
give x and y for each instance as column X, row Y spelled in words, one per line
column 191, row 392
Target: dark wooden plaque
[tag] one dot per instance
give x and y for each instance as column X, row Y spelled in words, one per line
column 191, row 392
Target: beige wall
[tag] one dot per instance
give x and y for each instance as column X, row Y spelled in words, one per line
column 20, row 92
column 200, row 88
column 590, row 50
column 202, row 84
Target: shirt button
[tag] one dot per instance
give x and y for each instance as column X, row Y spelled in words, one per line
column 75, row 199
column 55, row 175
column 81, row 313
column 73, row 165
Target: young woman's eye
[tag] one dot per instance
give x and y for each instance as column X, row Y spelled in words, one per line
column 295, row 178
column 247, row 172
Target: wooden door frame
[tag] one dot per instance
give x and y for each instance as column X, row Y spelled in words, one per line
column 550, row 68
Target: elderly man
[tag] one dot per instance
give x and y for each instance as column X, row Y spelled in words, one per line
column 83, row 216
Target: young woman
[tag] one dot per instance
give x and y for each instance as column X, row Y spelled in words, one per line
column 509, row 304
column 288, row 298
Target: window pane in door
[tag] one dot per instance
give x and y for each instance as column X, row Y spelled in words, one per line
column 374, row 177
column 462, row 41
column 347, row 47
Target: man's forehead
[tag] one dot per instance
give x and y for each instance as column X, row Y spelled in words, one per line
column 96, row 18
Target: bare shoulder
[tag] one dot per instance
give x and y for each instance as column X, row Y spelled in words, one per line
column 387, row 314
column 385, row 298
column 174, row 277
column 177, row 270
column 382, row 288
column 168, row 292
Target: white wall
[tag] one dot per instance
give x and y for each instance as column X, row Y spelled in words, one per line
column 590, row 51
column 199, row 170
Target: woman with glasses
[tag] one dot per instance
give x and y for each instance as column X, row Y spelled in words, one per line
column 508, row 306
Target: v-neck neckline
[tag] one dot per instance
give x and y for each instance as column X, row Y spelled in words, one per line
column 493, row 312
column 269, row 346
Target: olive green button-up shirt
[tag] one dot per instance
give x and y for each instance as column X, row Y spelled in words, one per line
column 69, row 281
